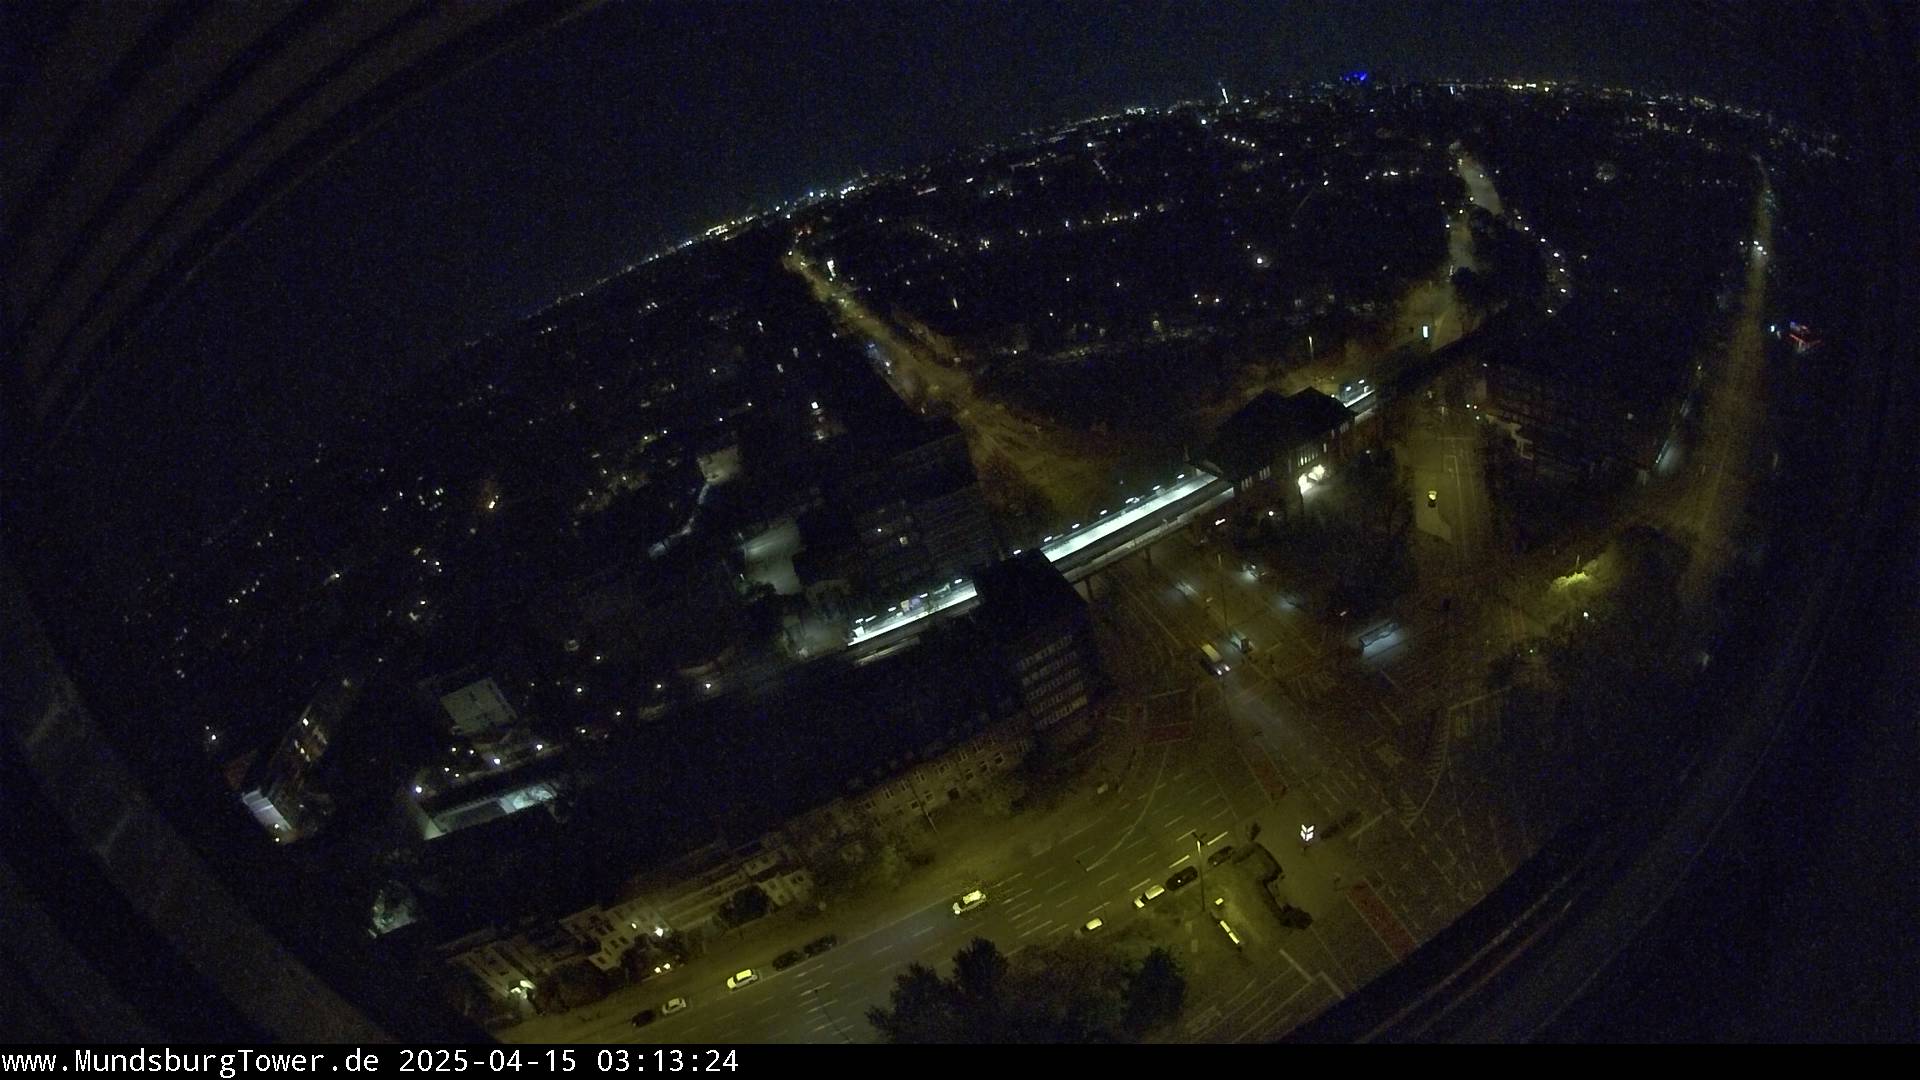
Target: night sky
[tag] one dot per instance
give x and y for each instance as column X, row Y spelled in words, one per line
column 636, row 125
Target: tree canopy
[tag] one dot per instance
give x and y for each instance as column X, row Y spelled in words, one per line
column 1073, row 993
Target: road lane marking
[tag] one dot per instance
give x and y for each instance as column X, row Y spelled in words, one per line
column 1266, row 1017
column 1295, row 965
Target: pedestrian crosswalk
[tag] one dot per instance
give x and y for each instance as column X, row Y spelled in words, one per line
column 1171, row 731
column 1478, row 717
column 1436, row 760
column 1309, row 687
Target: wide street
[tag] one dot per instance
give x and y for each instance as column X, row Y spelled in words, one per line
column 1705, row 502
column 1285, row 740
column 1337, row 732
column 1049, row 880
column 1074, row 468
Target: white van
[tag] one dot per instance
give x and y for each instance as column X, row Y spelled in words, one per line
column 1211, row 659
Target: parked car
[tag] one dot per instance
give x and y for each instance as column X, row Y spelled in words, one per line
column 643, row 1017
column 673, row 1005
column 787, row 959
column 1220, row 856
column 741, row 978
column 1383, row 630
column 1151, row 894
column 1093, row 924
column 1182, row 879
column 821, row 944
column 970, row 901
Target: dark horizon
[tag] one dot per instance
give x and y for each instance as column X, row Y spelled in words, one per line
column 551, row 167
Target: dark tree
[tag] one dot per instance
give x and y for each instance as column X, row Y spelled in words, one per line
column 1049, row 1001
column 1382, row 492
column 748, row 904
column 979, row 977
column 922, row 1010
column 1155, row 992
column 1474, row 289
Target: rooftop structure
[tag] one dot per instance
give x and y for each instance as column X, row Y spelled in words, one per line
column 1038, row 627
column 1273, row 434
